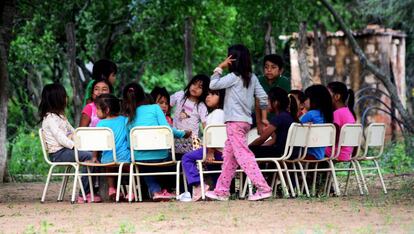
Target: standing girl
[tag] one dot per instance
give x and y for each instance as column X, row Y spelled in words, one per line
column 319, row 104
column 108, row 108
column 214, row 102
column 190, row 110
column 242, row 86
column 58, row 132
column 142, row 114
column 343, row 104
column 89, row 116
column 284, row 111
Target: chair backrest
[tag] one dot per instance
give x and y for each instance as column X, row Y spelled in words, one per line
column 296, row 137
column 94, row 139
column 351, row 135
column 44, row 148
column 214, row 136
column 375, row 136
column 151, row 138
column 321, row 135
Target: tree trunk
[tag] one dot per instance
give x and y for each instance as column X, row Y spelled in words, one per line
column 188, row 48
column 270, row 47
column 73, row 71
column 378, row 73
column 8, row 12
column 319, row 32
column 302, row 58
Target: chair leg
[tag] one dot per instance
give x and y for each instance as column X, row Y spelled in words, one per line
column 177, row 185
column 354, row 167
column 62, row 186
column 347, row 178
column 131, row 182
column 364, row 183
column 118, row 186
column 292, row 190
column 328, row 184
column 138, row 183
column 282, row 180
column 315, row 174
column 42, row 200
column 241, row 179
column 75, row 180
column 305, row 173
column 200, row 169
column 65, row 185
column 380, row 176
column 305, row 184
column 335, row 181
column 297, row 180
column 184, row 180
column 90, row 185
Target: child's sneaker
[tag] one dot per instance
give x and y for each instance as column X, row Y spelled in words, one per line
column 111, row 193
column 96, row 198
column 163, row 195
column 213, row 196
column 259, row 196
column 197, row 192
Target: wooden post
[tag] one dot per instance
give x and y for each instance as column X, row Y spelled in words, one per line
column 188, row 48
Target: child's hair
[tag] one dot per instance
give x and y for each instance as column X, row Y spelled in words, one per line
column 301, row 95
column 242, row 65
column 321, row 100
column 160, row 92
column 221, row 93
column 275, row 59
column 111, row 88
column 347, row 95
column 284, row 100
column 103, row 68
column 133, row 95
column 108, row 102
column 53, row 100
column 205, row 80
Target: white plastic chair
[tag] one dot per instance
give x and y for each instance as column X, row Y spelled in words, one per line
column 350, row 136
column 97, row 139
column 375, row 136
column 65, row 174
column 152, row 138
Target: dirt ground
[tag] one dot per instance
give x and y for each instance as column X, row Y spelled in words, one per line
column 22, row 212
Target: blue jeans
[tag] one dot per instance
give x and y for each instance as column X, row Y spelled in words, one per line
column 151, row 181
column 68, row 155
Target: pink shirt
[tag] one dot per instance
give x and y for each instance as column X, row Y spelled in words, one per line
column 90, row 111
column 341, row 117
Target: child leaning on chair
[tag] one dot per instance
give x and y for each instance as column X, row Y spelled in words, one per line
column 318, row 104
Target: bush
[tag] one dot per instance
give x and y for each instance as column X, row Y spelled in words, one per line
column 395, row 159
column 26, row 156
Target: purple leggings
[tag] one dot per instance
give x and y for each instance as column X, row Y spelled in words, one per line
column 236, row 153
column 189, row 162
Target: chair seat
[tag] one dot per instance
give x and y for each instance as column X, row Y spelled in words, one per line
column 168, row 163
column 92, row 164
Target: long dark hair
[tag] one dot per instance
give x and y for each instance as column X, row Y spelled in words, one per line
column 111, row 88
column 347, row 96
column 242, row 65
column 103, row 68
column 321, row 100
column 133, row 95
column 221, row 93
column 205, row 83
column 161, row 92
column 284, row 100
column 108, row 102
column 53, row 100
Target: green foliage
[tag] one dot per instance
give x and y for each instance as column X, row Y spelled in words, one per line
column 27, row 157
column 395, row 159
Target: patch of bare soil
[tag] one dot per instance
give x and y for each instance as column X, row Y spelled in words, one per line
column 22, row 212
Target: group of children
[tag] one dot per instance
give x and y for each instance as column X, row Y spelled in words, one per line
column 230, row 99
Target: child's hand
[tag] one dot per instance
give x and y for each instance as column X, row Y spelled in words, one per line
column 226, row 62
column 265, row 123
column 187, row 133
column 210, row 157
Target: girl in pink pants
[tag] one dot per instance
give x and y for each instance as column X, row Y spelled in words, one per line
column 242, row 86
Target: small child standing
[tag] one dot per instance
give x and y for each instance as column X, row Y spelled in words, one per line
column 343, row 104
column 161, row 97
column 319, row 104
column 190, row 110
column 285, row 113
column 214, row 102
column 108, row 108
column 89, row 117
column 58, row 132
column 241, row 87
column 103, row 69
